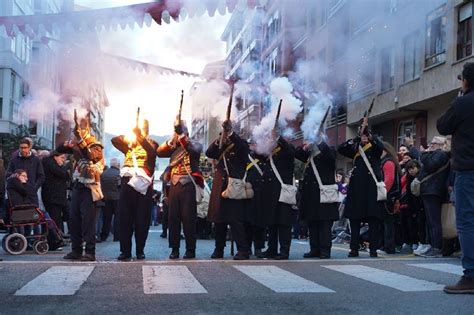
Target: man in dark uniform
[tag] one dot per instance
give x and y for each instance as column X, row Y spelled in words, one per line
column 184, row 175
column 254, row 220
column 135, row 202
column 231, row 160
column 361, row 203
column 85, row 193
column 319, row 216
column 278, row 214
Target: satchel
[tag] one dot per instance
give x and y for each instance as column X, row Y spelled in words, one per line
column 288, row 192
column 415, row 185
column 140, row 181
column 381, row 189
column 327, row 193
column 237, row 188
column 448, row 221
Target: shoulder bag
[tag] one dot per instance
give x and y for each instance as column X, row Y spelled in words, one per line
column 327, row 193
column 381, row 189
column 415, row 185
column 288, row 192
column 236, row 188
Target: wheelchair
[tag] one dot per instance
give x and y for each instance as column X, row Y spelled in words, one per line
column 27, row 226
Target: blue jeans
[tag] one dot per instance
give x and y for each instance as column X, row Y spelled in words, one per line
column 464, row 191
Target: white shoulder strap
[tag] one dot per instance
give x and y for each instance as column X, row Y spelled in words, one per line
column 255, row 163
column 277, row 174
column 315, row 171
column 364, row 157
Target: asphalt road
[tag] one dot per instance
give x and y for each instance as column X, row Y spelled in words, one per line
column 386, row 285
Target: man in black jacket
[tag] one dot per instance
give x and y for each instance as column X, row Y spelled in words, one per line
column 231, row 162
column 27, row 161
column 110, row 182
column 457, row 121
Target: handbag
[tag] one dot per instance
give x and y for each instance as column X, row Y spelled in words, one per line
column 236, row 188
column 381, row 189
column 327, row 193
column 415, row 185
column 448, row 220
column 140, row 181
column 199, row 189
column 288, row 192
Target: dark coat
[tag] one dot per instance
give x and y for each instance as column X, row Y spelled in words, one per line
column 274, row 211
column 361, row 202
column 54, row 187
column 438, row 184
column 110, row 182
column 33, row 167
column 19, row 193
column 2, row 182
column 458, row 121
column 177, row 152
column 253, row 208
column 310, row 207
column 223, row 210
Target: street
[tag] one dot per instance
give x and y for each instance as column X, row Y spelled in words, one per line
column 389, row 284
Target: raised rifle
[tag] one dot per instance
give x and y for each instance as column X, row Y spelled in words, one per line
column 76, row 121
column 278, row 115
column 323, row 121
column 137, row 118
column 227, row 116
column 178, row 118
column 366, row 115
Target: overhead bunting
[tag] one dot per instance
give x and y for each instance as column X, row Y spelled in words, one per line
column 147, row 67
column 124, row 16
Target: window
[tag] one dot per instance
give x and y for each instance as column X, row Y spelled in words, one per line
column 436, row 37
column 388, row 68
column 272, row 63
column 406, row 127
column 464, row 46
column 411, row 56
column 33, row 127
column 273, row 28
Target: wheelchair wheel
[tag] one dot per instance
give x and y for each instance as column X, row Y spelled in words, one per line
column 41, row 247
column 15, row 244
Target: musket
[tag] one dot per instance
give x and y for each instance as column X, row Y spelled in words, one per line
column 278, row 115
column 180, row 107
column 227, row 116
column 323, row 121
column 76, row 121
column 137, row 118
column 366, row 115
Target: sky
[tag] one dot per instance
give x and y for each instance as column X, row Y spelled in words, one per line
column 187, row 45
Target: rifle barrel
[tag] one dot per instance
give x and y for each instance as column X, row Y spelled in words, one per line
column 278, row 114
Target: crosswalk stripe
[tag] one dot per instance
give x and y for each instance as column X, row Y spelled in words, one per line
column 59, row 280
column 170, row 280
column 280, row 280
column 448, row 268
column 386, row 278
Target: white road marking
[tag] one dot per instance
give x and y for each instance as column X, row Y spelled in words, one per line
column 280, row 280
column 60, row 280
column 386, row 278
column 170, row 280
column 448, row 268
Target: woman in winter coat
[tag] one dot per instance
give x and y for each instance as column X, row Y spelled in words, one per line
column 435, row 171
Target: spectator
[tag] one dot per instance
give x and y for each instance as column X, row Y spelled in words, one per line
column 434, row 174
column 457, row 121
column 110, row 182
column 53, row 191
column 27, row 161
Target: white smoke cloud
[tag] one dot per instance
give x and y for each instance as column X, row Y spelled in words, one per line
column 319, row 105
column 280, row 89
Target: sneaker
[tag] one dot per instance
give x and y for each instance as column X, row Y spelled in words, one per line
column 423, row 248
column 406, row 249
column 414, row 247
column 432, row 253
column 465, row 285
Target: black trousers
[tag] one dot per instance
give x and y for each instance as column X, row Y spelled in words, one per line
column 82, row 220
column 279, row 234
column 182, row 209
column 433, row 215
column 238, row 235
column 255, row 235
column 388, row 236
column 134, row 217
column 55, row 211
column 165, row 219
column 320, row 236
column 374, row 234
column 110, row 211
column 409, row 227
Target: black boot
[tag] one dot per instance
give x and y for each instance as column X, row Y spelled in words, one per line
column 353, row 253
column 190, row 254
column 123, row 257
column 312, row 254
column 174, row 253
column 218, row 253
column 241, row 256
column 258, row 253
column 269, row 254
column 282, row 256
